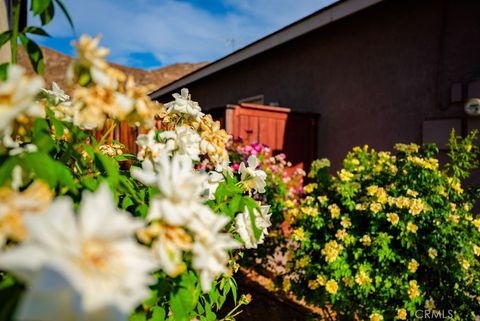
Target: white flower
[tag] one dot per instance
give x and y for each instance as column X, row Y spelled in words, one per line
column 149, row 147
column 253, row 178
column 81, row 267
column 179, row 185
column 17, row 97
column 210, row 247
column 245, row 228
column 182, row 141
column 56, row 95
column 214, row 178
column 183, row 104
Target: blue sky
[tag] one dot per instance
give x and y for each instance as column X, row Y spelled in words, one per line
column 153, row 33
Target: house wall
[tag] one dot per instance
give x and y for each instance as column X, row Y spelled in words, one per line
column 374, row 76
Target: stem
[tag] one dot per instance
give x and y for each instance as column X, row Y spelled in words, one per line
column 15, row 24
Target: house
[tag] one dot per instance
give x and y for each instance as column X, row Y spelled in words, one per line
column 378, row 72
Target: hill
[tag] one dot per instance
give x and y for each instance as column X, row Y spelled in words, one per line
column 56, row 64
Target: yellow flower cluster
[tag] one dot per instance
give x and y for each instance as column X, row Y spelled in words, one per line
column 303, row 262
column 407, row 148
column 430, row 304
column 105, row 92
column 214, row 138
column 476, row 223
column 413, row 289
column 312, row 211
column 331, row 251
column 348, row 281
column 345, row 176
column 298, row 234
column 428, row 163
column 463, row 261
column 309, row 188
column 362, row 278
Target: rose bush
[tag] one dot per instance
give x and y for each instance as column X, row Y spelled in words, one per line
column 390, row 234
column 82, row 237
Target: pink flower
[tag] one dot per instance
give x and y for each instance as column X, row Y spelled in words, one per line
column 235, row 166
column 248, row 149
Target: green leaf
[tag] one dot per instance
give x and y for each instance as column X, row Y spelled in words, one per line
column 138, row 316
column 5, row 36
column 34, row 54
column 38, row 6
column 47, row 15
column 3, row 71
column 158, row 314
column 36, row 31
column 65, row 12
column 42, row 166
column 6, row 169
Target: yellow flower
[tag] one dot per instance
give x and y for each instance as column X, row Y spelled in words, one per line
column 299, row 234
column 360, row 207
column 347, row 281
column 313, row 284
column 15, row 205
column 331, row 286
column 412, row 193
column 289, row 204
column 362, row 278
column 303, row 262
column 309, row 187
column 341, row 234
column 321, row 280
column 331, row 250
column 476, row 223
column 322, row 199
column 432, row 253
column 430, row 304
column 355, row 161
column 476, row 250
column 375, row 207
column 402, row 202
column 463, row 261
column 312, row 211
column 334, row 210
column 455, row 219
column 372, row 190
column 346, row 223
column 402, row 314
column 382, row 196
column 376, row 317
column 393, row 218
column 413, row 289
column 413, row 265
column 286, row 285
column 416, row 207
column 345, row 175
column 366, row 240
column 411, row 227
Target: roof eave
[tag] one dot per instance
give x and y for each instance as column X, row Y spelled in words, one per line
column 325, row 16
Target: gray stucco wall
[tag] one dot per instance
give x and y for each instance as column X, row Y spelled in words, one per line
column 374, row 76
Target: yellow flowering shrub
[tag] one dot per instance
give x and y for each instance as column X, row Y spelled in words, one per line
column 393, row 233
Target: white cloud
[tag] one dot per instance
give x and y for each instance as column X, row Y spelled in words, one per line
column 175, row 31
